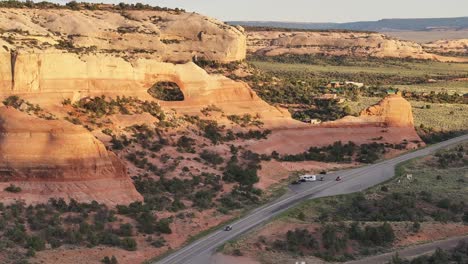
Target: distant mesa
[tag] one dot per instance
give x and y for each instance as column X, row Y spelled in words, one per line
column 335, row 43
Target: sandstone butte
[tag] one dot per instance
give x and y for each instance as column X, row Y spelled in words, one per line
column 54, row 158
column 50, row 55
column 273, row 43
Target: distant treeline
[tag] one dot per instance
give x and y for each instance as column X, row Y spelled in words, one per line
column 73, row 5
column 267, row 28
column 419, row 24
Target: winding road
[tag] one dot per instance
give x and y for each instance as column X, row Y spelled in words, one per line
column 353, row 180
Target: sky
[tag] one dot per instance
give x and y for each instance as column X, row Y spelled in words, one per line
column 313, row 10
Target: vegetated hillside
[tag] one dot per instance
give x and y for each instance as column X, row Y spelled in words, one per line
column 426, row 201
column 380, row 25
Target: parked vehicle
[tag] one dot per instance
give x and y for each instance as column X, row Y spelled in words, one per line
column 323, row 172
column 338, row 178
column 308, row 178
column 296, row 182
column 228, row 228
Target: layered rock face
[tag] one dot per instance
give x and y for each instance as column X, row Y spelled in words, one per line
column 49, row 78
column 51, row 55
column 163, row 36
column 273, row 43
column 52, row 158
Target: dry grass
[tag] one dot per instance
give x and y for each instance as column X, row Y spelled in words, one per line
column 451, row 87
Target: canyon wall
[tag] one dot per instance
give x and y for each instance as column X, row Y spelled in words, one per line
column 274, row 43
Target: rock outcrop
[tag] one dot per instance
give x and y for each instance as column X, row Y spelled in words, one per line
column 393, row 110
column 160, row 35
column 49, row 55
column 49, row 78
column 52, row 158
column 274, row 43
column 455, row 46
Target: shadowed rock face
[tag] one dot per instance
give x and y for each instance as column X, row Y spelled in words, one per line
column 57, row 159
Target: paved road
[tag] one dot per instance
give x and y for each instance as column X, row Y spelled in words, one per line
column 413, row 251
column 353, row 180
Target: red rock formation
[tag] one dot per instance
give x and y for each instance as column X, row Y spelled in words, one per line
column 51, row 158
column 393, row 110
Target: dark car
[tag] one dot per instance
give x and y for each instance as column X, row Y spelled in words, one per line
column 296, row 182
column 338, row 178
column 228, row 228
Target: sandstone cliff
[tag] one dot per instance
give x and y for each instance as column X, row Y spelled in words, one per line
column 273, row 43
column 159, row 35
column 51, row 55
column 52, row 158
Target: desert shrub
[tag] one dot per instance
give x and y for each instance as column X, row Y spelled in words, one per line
column 254, row 134
column 203, row 199
column 245, row 175
column 211, row 130
column 324, row 110
column 185, row 144
column 13, row 188
column 128, row 243
column 158, row 243
column 162, row 226
column 332, row 240
column 125, row 230
column 372, row 235
column 297, row 242
column 166, row 91
column 111, row 260
column 211, row 157
column 36, row 243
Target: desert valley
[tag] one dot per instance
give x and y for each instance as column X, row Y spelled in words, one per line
column 130, row 131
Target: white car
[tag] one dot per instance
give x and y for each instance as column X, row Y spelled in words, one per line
column 308, row 178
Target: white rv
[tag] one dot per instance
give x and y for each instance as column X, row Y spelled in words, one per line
column 307, row 178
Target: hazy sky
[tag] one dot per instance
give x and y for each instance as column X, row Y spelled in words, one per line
column 314, row 10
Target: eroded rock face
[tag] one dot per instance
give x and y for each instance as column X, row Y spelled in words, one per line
column 52, row 158
column 160, row 35
column 49, row 78
column 393, row 110
column 273, row 43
